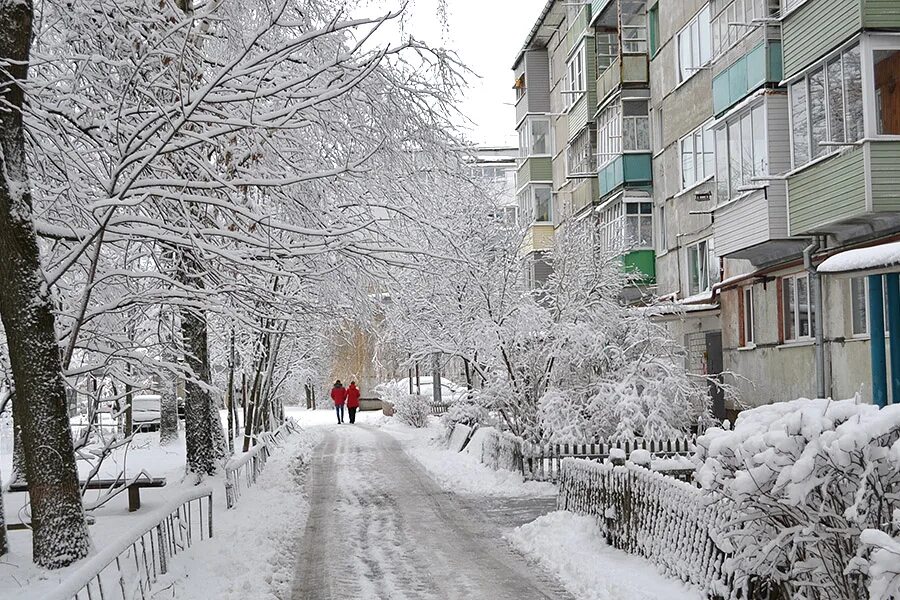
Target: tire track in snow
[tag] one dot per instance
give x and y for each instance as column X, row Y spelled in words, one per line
column 380, row 527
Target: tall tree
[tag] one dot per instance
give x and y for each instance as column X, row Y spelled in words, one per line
column 60, row 534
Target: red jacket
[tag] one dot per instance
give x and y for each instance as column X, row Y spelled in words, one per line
column 339, row 395
column 352, row 396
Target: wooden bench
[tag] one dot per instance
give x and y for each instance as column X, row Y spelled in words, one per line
column 134, row 490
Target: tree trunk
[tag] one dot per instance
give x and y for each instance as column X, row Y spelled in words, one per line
column 60, row 535
column 4, row 544
column 198, row 435
column 168, row 413
column 18, row 462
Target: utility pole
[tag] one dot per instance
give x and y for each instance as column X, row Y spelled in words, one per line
column 230, row 406
column 436, row 377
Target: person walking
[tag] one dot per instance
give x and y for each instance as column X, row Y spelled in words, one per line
column 352, row 401
column 339, row 396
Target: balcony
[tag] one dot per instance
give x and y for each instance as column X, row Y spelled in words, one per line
column 534, row 73
column 536, row 168
column 642, row 264
column 748, row 73
column 832, row 196
column 538, row 238
column 625, row 170
column 818, row 26
column 585, row 195
column 626, row 70
column 754, row 228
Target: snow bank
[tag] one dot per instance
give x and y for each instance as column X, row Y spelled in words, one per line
column 574, row 549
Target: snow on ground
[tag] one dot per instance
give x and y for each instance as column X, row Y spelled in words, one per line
column 459, row 472
column 573, row 548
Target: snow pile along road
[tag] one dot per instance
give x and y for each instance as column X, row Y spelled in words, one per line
column 573, row 548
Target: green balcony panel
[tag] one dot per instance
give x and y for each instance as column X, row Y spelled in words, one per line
column 828, row 192
column 538, row 168
column 642, row 263
column 885, row 173
column 881, row 14
column 611, row 176
column 747, row 74
column 626, row 169
column 818, row 26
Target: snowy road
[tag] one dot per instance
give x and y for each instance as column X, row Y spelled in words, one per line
column 380, row 527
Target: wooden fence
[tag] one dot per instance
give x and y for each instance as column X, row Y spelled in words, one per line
column 130, row 568
column 543, row 462
column 666, row 521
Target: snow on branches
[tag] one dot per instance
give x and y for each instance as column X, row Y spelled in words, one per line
column 816, row 488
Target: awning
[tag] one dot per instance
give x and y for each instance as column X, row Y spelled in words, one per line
column 874, row 260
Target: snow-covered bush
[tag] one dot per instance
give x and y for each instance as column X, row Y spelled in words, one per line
column 807, row 479
column 466, row 411
column 412, row 409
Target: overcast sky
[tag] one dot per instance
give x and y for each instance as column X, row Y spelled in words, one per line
column 487, row 35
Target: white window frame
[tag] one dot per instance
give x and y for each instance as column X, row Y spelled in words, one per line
column 795, row 316
column 662, row 234
column 576, row 81
column 698, row 159
column 686, row 35
column 749, row 317
column 704, row 249
column 639, row 217
column 581, row 154
column 609, row 134
column 526, row 134
column 869, row 45
column 730, row 25
column 865, row 283
column 867, row 100
column 724, row 126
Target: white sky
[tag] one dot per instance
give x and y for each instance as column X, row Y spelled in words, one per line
column 487, row 35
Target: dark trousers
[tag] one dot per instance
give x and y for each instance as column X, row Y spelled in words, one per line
column 339, row 409
column 352, row 412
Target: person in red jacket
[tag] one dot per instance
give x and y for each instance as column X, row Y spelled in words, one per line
column 339, row 395
column 352, row 401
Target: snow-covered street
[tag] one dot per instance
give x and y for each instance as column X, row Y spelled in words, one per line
column 381, row 527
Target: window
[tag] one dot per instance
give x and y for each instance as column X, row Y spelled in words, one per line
column 657, row 129
column 576, row 84
column 611, row 227
column 733, row 22
column 634, row 37
column 697, row 156
column 580, row 154
column 826, row 107
column 534, row 138
column 607, row 51
column 609, row 134
column 798, row 311
column 748, row 317
column 536, row 204
column 741, row 153
column 887, row 94
column 662, row 237
column 635, row 125
column 694, row 45
column 639, row 224
column 859, row 305
column 653, row 26
column 702, row 271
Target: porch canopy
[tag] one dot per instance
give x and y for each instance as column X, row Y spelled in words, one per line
column 881, row 266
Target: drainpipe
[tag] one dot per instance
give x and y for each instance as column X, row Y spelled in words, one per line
column 815, row 285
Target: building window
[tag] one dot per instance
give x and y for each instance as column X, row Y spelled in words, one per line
column 634, row 36
column 662, row 237
column 656, row 129
column 639, row 224
column 534, row 138
column 576, row 85
column 859, row 306
column 580, row 154
column 536, row 204
column 607, row 50
column 653, row 26
column 636, row 125
column 827, row 107
column 609, row 134
column 697, row 156
column 701, row 267
column 611, row 227
column 733, row 22
column 694, row 45
column 741, row 152
column 798, row 311
column 887, row 91
column 748, row 317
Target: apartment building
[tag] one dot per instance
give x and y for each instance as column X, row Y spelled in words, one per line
column 737, row 144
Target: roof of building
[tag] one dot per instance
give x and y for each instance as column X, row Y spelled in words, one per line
column 540, row 29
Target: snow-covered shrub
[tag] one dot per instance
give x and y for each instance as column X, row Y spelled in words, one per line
column 412, row 409
column 807, row 478
column 466, row 411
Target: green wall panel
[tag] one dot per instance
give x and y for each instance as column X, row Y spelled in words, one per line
column 534, row 169
column 816, row 28
column 885, row 174
column 827, row 192
column 747, row 74
column 642, row 262
column 638, row 168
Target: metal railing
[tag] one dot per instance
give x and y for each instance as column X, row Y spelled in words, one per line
column 130, row 568
column 242, row 471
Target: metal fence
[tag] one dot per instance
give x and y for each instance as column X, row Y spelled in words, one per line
column 241, row 472
column 130, row 569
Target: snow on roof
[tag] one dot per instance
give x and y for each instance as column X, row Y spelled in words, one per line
column 882, row 258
